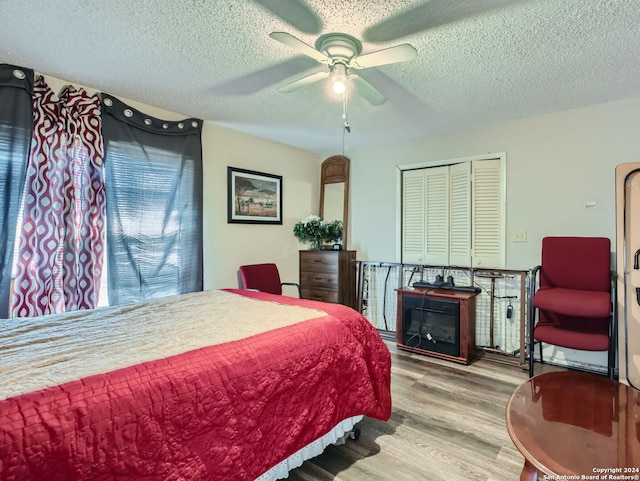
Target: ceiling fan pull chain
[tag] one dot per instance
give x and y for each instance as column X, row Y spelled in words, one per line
column 347, row 127
column 344, row 117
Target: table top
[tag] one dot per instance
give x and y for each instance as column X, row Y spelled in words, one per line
column 575, row 423
column 435, row 292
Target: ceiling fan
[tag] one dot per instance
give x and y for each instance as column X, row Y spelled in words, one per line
column 341, row 53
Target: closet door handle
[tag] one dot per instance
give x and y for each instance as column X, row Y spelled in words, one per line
column 636, row 266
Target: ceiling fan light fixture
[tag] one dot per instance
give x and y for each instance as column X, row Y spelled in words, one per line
column 341, row 52
column 339, row 78
column 339, row 46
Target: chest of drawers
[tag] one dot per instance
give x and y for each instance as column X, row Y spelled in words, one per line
column 328, row 276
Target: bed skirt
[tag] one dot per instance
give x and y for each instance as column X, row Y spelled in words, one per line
column 336, row 436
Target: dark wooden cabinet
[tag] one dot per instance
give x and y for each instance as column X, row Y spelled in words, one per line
column 328, row 276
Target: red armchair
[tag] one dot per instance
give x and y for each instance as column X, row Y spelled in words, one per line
column 574, row 297
column 264, row 278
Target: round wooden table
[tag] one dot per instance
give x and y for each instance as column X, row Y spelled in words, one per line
column 576, row 424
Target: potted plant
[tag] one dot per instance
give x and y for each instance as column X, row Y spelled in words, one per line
column 334, row 232
column 316, row 231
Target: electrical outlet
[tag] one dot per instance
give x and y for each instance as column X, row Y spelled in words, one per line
column 520, row 236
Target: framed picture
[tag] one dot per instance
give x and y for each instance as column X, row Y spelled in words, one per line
column 253, row 197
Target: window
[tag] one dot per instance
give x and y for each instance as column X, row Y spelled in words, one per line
column 16, row 123
column 453, row 214
column 153, row 182
column 156, row 197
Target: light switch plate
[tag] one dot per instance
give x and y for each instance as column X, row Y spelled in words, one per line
column 520, row 236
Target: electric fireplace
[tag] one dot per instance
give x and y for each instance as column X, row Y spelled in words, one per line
column 431, row 324
column 437, row 322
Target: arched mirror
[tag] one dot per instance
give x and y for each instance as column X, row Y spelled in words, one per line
column 334, row 192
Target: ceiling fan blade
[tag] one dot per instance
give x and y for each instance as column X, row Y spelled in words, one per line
column 402, row 98
column 429, row 15
column 367, row 91
column 255, row 81
column 295, row 13
column 291, row 41
column 301, row 82
column 399, row 53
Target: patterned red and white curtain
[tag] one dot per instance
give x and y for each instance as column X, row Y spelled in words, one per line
column 61, row 244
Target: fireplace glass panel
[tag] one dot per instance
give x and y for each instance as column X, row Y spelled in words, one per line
column 431, row 325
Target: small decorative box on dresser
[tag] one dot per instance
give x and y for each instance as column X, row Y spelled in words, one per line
column 328, row 276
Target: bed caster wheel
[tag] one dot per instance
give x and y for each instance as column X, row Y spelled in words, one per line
column 354, row 434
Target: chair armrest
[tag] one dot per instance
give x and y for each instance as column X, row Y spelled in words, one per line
column 295, row 284
column 535, row 272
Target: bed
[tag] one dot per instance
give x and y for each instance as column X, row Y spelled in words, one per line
column 214, row 385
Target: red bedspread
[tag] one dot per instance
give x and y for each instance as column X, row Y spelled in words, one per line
column 224, row 412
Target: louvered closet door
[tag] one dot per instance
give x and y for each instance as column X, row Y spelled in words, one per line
column 413, row 199
column 453, row 215
column 425, row 216
column 460, row 215
column 488, row 223
column 437, row 216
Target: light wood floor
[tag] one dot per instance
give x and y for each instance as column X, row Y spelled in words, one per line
column 447, row 424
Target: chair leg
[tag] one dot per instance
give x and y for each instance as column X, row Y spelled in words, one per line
column 540, row 345
column 532, row 341
column 611, row 359
column 613, row 346
column 532, row 356
column 532, row 344
column 531, row 316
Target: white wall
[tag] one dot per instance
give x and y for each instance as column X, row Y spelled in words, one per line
column 227, row 246
column 555, row 163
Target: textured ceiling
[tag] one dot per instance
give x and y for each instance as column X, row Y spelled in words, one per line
column 479, row 61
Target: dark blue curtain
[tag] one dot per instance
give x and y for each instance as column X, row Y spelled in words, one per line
column 16, row 125
column 153, row 182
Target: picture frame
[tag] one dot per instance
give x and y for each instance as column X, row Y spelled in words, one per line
column 253, row 197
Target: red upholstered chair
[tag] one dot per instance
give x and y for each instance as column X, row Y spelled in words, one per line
column 264, row 278
column 573, row 297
